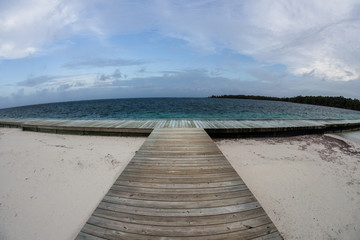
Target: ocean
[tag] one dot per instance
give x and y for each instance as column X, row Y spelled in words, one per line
column 178, row 108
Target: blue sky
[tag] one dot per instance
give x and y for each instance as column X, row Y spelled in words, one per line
column 63, row 50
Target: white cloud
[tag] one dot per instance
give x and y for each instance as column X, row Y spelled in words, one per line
column 321, row 37
column 58, row 82
column 318, row 38
column 104, row 62
column 26, row 26
column 329, row 69
column 199, row 83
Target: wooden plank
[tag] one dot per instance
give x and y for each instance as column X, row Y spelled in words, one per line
column 142, row 162
column 176, row 231
column 184, row 167
column 179, row 186
column 178, row 180
column 215, row 127
column 247, row 234
column 170, row 162
column 179, row 212
column 180, row 197
column 180, row 221
column 179, row 190
column 178, row 204
column 173, row 176
column 188, row 172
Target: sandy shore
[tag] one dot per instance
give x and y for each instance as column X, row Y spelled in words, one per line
column 308, row 185
column 50, row 184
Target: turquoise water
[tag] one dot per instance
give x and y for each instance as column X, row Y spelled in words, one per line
column 191, row 108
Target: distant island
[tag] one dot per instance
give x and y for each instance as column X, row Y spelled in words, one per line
column 338, row 102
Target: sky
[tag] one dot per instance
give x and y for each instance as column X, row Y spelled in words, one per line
column 60, row 50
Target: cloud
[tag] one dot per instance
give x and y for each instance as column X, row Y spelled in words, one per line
column 18, row 94
column 35, row 81
column 68, row 88
column 63, row 87
column 27, row 26
column 116, row 76
column 190, row 82
column 142, row 70
column 57, row 82
column 199, row 83
column 311, row 38
column 318, row 38
column 329, row 69
column 105, row 62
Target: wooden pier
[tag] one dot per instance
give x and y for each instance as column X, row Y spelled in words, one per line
column 179, row 185
column 214, row 127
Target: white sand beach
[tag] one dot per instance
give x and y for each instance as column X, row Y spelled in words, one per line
column 308, row 185
column 50, row 184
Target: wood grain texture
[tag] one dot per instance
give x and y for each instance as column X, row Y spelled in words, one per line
column 214, row 127
column 179, row 186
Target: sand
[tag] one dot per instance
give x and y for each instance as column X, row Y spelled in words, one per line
column 308, row 185
column 50, row 184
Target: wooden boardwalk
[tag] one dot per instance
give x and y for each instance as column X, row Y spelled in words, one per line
column 179, row 185
column 214, row 127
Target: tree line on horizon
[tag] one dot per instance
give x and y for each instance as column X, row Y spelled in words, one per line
column 338, row 102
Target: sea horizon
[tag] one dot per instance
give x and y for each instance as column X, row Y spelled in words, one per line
column 177, row 108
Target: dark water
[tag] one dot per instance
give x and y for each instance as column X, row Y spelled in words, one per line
column 195, row 108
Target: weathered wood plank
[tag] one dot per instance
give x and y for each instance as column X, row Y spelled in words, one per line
column 179, row 186
column 240, row 235
column 179, row 212
column 214, row 127
column 180, row 221
column 176, row 163
column 173, row 176
column 186, row 180
column 179, row 231
column 179, row 190
column 180, row 197
column 178, row 205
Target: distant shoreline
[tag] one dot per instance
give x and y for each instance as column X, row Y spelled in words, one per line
column 338, row 102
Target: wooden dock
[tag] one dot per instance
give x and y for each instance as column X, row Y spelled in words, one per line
column 214, row 127
column 179, row 185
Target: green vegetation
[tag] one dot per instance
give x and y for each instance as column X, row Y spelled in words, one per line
column 339, row 102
